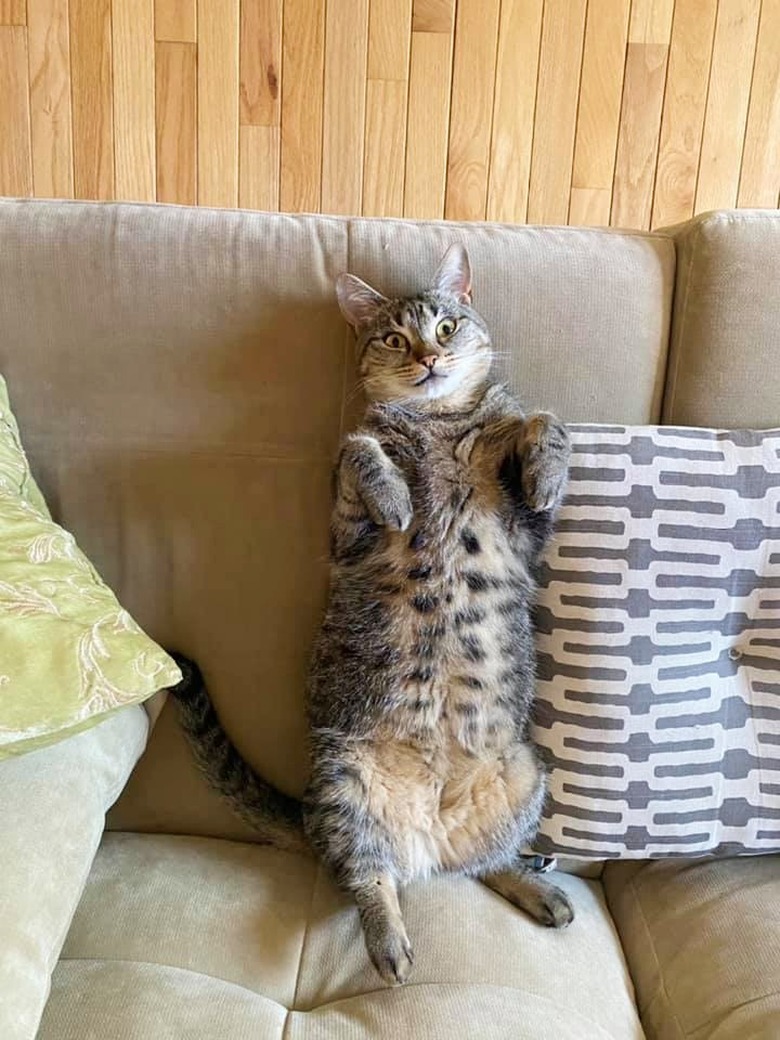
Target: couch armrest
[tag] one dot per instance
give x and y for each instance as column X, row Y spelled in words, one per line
column 52, row 811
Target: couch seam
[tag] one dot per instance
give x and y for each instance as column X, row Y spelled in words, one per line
column 175, row 967
column 304, row 942
column 662, row 981
column 667, row 405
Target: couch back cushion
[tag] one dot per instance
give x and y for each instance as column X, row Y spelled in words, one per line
column 182, row 378
column 723, row 368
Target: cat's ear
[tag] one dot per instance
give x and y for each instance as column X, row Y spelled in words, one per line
column 359, row 303
column 454, row 273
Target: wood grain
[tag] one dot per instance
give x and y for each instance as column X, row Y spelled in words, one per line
column 471, row 113
column 590, row 206
column 15, row 159
column 259, row 167
column 383, row 177
column 436, row 16
column 427, row 125
column 92, row 80
column 651, row 21
column 303, row 48
column 683, row 116
column 50, row 114
column 344, row 105
column 640, row 127
column 517, row 63
column 556, row 111
column 261, row 62
column 175, row 21
column 513, row 110
column 132, row 26
column 176, row 123
column 389, row 29
column 218, row 102
column 601, row 90
column 760, row 179
column 727, row 104
column 13, row 12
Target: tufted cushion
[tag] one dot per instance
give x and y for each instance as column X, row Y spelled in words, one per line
column 659, row 645
column 180, row 937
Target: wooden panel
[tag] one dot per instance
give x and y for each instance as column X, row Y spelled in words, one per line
column 389, row 30
column 512, row 110
column 177, row 98
column 683, row 116
column 601, row 90
column 132, row 23
column 261, row 61
column 640, row 125
column 517, row 63
column 590, row 207
column 91, row 96
column 259, row 167
column 175, row 20
column 50, row 116
column 13, row 12
column 651, row 21
column 427, row 125
column 556, row 111
column 15, row 160
column 344, row 108
column 383, row 181
column 724, row 122
column 760, row 180
column 433, row 16
column 473, row 80
column 218, row 102
column 303, row 43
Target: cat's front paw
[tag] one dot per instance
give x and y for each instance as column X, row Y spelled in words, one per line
column 391, row 954
column 545, row 448
column 389, row 503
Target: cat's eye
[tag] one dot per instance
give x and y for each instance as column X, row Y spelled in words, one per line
column 445, row 328
column 396, row 341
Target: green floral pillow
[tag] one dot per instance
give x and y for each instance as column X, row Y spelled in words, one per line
column 69, row 653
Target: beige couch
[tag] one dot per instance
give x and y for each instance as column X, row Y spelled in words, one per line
column 181, row 378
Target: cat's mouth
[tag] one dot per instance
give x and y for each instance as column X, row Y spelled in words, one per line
column 428, row 376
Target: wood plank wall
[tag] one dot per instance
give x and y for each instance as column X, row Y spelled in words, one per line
column 634, row 113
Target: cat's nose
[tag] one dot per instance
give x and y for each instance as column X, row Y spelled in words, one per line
column 429, row 361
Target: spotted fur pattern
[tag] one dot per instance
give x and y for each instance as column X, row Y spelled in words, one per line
column 422, row 676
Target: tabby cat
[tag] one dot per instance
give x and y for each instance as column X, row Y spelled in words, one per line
column 422, row 677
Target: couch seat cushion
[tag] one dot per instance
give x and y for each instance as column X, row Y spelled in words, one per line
column 179, row 936
column 703, row 942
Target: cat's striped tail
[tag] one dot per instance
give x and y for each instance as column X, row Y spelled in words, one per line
column 275, row 816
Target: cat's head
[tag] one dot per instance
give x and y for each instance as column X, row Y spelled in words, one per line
column 418, row 349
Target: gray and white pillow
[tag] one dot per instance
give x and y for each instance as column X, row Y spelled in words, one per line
column 659, row 646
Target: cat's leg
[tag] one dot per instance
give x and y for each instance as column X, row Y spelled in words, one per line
column 367, row 476
column 359, row 850
column 528, row 890
column 383, row 928
column 544, row 448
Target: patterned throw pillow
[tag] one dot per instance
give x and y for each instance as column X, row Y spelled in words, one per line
column 659, row 646
column 69, row 654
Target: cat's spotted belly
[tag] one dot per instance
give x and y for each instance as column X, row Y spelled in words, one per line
column 445, row 810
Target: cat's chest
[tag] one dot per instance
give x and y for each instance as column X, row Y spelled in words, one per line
column 452, row 478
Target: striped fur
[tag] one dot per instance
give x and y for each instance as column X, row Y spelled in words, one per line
column 422, row 676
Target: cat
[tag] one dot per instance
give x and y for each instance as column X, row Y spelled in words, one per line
column 422, row 676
